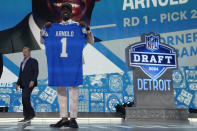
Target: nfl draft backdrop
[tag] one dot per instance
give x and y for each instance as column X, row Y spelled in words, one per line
column 107, row 81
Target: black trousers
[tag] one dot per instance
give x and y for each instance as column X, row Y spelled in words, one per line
column 27, row 107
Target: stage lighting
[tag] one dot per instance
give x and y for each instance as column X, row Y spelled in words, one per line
column 191, row 110
column 130, row 104
column 3, row 109
column 120, row 108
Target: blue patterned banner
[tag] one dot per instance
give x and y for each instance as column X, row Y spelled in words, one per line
column 115, row 24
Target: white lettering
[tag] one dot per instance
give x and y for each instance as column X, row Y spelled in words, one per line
column 183, row 1
column 144, row 58
column 136, row 4
column 163, row 2
column 145, row 83
column 160, row 58
column 168, row 59
column 65, row 33
column 161, row 85
column 126, row 22
column 163, row 16
column 174, row 2
column 135, row 21
column 174, row 16
column 136, row 58
column 183, row 15
column 139, row 2
column 154, row 84
column 128, row 4
column 153, row 60
column 153, row 1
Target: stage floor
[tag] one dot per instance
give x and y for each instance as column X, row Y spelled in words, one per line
column 99, row 124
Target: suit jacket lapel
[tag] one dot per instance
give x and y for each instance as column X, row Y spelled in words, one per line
column 21, row 66
column 26, row 64
column 22, row 36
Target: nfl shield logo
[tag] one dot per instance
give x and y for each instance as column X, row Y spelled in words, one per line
column 150, row 56
column 152, row 42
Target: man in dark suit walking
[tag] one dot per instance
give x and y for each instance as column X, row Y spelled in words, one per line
column 27, row 81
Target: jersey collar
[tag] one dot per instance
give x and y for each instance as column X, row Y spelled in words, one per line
column 68, row 22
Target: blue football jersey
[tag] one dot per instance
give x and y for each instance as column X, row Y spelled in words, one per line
column 64, row 46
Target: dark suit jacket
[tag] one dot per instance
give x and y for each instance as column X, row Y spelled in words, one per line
column 14, row 39
column 29, row 73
